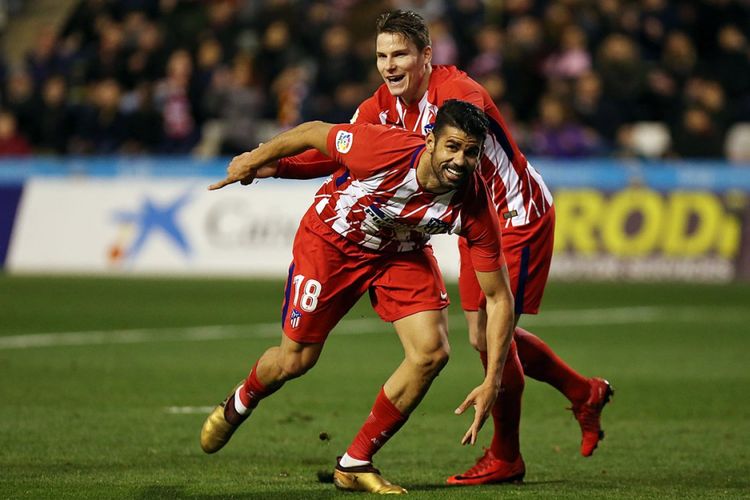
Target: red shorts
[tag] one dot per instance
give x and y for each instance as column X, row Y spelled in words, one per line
column 330, row 273
column 528, row 254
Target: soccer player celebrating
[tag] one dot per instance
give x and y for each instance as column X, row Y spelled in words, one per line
column 412, row 91
column 368, row 230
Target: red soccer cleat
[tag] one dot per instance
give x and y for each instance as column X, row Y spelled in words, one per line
column 589, row 414
column 491, row 470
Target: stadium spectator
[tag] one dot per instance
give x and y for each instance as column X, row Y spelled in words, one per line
column 731, row 67
column 623, row 73
column 145, row 123
column 278, row 51
column 209, row 58
column 661, row 98
column 224, row 25
column 489, row 57
column 235, row 103
column 593, row 110
column 444, row 49
column 56, row 118
column 288, row 93
column 146, row 57
column 108, row 61
column 21, row 101
column 44, row 60
column 572, row 58
column 558, row 134
column 697, row 135
column 679, row 58
column 173, row 100
column 523, row 54
column 338, row 62
column 12, row 142
column 658, row 18
column 467, row 18
column 101, row 126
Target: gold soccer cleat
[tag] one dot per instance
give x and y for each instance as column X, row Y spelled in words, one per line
column 216, row 430
column 364, row 478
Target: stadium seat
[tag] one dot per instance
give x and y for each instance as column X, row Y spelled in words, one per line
column 650, row 139
column 737, row 145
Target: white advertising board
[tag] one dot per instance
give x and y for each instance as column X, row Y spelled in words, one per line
column 165, row 226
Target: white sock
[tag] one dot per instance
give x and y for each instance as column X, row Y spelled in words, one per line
column 347, row 461
column 238, row 406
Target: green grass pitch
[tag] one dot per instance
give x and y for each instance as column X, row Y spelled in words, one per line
column 104, row 384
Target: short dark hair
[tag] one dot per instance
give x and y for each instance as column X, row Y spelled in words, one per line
column 463, row 116
column 406, row 23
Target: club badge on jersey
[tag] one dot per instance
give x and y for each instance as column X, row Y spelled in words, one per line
column 294, row 318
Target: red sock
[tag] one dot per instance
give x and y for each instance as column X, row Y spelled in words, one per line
column 506, row 414
column 253, row 390
column 384, row 421
column 541, row 363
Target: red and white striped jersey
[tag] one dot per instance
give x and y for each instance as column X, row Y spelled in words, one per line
column 516, row 188
column 376, row 201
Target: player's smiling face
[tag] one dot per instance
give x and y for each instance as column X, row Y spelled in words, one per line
column 402, row 65
column 454, row 155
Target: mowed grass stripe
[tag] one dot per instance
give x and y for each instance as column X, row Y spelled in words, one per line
column 572, row 317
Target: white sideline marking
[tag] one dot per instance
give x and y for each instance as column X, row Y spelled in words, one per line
column 569, row 317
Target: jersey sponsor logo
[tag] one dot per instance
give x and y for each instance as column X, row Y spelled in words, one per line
column 294, row 318
column 377, row 219
column 436, row 226
column 344, row 141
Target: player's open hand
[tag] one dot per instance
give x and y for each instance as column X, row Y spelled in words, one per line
column 482, row 398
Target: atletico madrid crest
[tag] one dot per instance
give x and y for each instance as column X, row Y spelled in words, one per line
column 294, row 318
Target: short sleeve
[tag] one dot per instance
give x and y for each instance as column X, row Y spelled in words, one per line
column 366, row 148
column 308, row 165
column 465, row 90
column 367, row 112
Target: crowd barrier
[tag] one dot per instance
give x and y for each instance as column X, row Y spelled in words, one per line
column 616, row 220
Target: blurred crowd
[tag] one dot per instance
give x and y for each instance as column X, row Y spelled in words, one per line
column 573, row 78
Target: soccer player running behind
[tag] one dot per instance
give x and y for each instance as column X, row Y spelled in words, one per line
column 412, row 91
column 368, row 230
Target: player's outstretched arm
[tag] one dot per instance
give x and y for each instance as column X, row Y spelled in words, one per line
column 500, row 322
column 250, row 165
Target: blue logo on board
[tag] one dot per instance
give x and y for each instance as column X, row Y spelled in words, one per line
column 151, row 217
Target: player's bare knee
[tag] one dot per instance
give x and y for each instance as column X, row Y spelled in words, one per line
column 431, row 362
column 442, row 356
